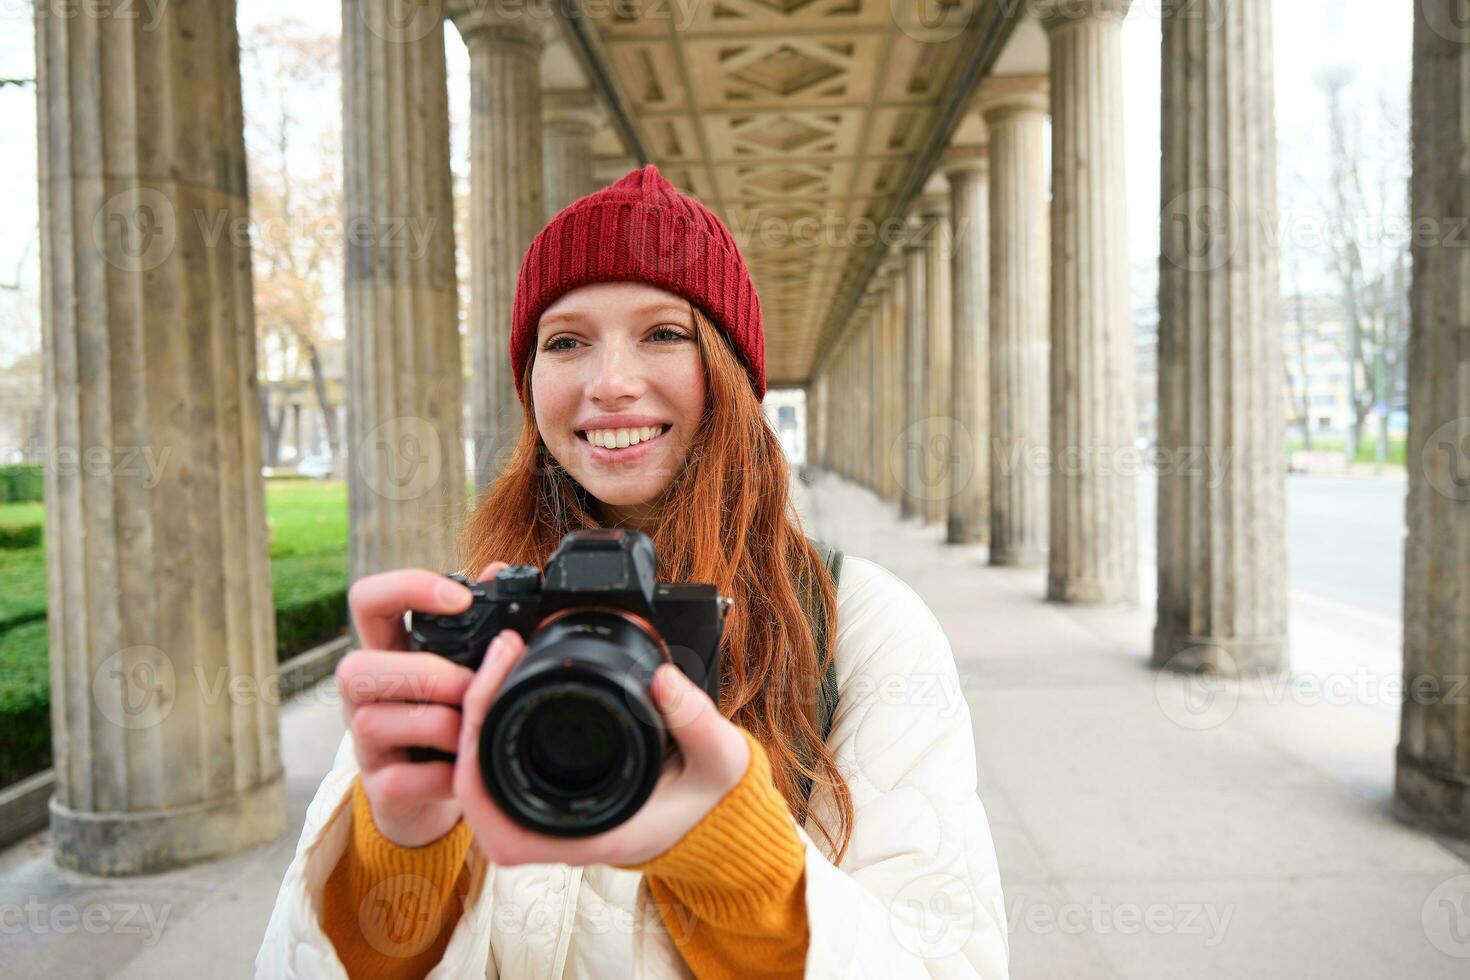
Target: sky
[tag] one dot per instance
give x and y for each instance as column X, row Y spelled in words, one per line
column 1372, row 36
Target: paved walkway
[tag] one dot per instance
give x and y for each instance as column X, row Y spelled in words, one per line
column 1145, row 828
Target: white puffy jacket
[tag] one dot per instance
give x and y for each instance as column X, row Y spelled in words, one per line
column 918, row 893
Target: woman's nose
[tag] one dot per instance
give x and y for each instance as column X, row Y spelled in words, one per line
column 618, row 375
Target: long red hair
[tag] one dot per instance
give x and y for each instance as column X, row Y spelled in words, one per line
column 726, row 519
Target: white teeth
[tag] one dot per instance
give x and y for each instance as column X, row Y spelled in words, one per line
column 622, row 438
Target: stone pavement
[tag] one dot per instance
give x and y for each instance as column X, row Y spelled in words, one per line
column 1146, row 827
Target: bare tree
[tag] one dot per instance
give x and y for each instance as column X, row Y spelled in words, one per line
column 295, row 197
column 1364, row 193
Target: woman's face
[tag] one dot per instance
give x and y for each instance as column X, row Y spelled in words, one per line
column 615, row 360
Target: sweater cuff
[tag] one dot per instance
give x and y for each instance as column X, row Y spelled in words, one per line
column 392, row 906
column 380, row 858
column 742, row 857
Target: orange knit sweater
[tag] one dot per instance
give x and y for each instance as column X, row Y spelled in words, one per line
column 740, row 872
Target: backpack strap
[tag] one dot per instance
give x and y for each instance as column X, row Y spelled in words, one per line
column 827, row 705
column 827, row 693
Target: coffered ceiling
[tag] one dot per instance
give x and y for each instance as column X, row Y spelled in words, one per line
column 800, row 122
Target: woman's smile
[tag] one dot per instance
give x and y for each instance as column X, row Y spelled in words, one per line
column 621, row 445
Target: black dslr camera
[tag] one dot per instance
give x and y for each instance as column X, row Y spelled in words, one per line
column 573, row 744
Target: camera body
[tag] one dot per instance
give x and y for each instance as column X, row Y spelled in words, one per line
column 572, row 745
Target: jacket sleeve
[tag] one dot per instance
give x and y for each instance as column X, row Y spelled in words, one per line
column 295, row 944
column 918, row 893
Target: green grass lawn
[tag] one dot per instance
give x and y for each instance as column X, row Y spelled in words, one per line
column 1367, row 449
column 308, row 550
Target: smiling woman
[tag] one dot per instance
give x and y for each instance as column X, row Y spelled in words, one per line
column 618, row 388
column 638, row 356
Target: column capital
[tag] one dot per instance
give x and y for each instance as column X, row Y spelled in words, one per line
column 932, row 205
column 529, row 23
column 970, row 159
column 572, row 108
column 1004, row 95
column 1061, row 13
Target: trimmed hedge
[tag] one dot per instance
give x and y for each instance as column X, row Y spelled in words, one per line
column 19, row 537
column 308, row 524
column 21, row 482
column 25, row 703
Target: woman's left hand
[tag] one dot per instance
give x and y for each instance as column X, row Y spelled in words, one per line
column 711, row 760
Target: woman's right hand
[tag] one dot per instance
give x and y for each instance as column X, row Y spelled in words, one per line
column 393, row 699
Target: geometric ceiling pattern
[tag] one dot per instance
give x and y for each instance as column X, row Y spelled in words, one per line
column 794, row 120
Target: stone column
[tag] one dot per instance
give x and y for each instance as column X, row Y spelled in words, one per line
column 570, row 118
column 162, row 635
column 915, row 368
column 1432, row 781
column 1015, row 117
column 969, row 490
column 507, row 204
column 892, row 271
column 1094, row 532
column 1222, row 483
column 872, row 430
column 939, row 457
column 406, row 473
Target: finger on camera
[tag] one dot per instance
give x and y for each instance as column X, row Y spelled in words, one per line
column 384, row 731
column 368, row 676
column 379, row 601
column 692, row 718
column 406, row 782
column 491, row 570
column 504, row 650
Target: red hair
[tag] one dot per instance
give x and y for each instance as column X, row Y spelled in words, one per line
column 727, row 519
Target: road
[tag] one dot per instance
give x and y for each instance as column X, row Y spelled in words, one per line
column 1345, row 538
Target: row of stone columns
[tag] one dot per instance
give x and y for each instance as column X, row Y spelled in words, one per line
column 958, row 316
column 1046, row 469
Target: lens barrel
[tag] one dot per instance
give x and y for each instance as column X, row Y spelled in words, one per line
column 573, row 744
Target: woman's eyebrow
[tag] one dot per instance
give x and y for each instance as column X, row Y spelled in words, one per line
column 660, row 309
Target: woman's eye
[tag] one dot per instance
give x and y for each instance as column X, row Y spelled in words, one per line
column 670, row 334
column 552, row 343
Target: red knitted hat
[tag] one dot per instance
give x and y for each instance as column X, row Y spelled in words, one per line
column 645, row 230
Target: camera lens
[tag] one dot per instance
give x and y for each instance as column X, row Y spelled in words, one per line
column 572, row 744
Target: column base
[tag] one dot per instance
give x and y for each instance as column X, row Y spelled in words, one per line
column 1084, row 592
column 960, row 532
column 1003, row 557
column 1430, row 798
column 1266, row 656
column 150, row 841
